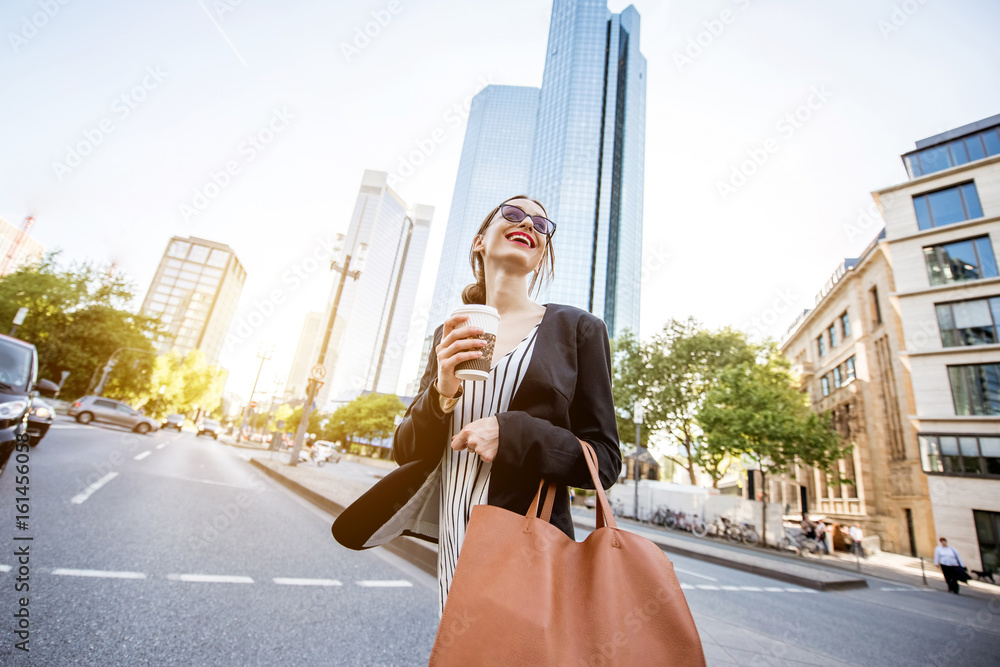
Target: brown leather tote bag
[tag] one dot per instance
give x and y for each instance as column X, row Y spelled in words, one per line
column 524, row 593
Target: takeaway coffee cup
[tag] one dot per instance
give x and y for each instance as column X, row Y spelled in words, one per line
column 488, row 319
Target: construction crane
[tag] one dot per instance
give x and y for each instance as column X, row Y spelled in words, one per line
column 22, row 234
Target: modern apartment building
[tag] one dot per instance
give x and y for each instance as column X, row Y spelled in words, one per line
column 365, row 351
column 943, row 233
column 846, row 351
column 495, row 164
column 195, row 291
column 298, row 376
column 589, row 158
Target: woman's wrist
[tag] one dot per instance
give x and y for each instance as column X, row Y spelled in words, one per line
column 447, row 391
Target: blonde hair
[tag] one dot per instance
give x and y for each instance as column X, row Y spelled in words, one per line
column 476, row 292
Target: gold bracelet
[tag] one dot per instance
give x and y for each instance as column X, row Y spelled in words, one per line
column 448, row 404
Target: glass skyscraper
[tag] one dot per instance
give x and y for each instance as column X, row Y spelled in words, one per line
column 587, row 164
column 585, row 133
column 495, row 164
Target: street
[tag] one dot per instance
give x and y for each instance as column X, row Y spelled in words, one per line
column 188, row 555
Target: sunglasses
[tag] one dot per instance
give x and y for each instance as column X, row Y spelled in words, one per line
column 514, row 214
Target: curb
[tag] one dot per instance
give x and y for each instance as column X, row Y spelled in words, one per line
column 406, row 548
column 778, row 574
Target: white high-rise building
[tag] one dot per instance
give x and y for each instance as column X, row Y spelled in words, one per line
column 296, row 385
column 365, row 351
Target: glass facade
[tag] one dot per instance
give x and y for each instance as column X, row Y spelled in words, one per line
column 969, row 259
column 588, row 161
column 960, row 455
column 374, row 313
column 494, row 166
column 195, row 292
column 972, row 322
column 947, row 206
column 975, row 389
column 959, row 151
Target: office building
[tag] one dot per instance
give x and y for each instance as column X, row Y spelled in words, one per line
column 194, row 291
column 298, row 376
column 943, row 233
column 588, row 159
column 495, row 164
column 846, row 352
column 373, row 318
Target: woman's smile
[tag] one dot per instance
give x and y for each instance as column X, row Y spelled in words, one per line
column 521, row 238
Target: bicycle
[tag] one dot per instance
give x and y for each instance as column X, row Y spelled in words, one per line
column 799, row 543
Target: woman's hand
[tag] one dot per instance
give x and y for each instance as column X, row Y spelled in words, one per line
column 456, row 346
column 481, row 436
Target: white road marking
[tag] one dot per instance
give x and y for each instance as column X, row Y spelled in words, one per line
column 694, row 574
column 774, row 589
column 306, row 582
column 686, row 587
column 799, row 590
column 752, row 588
column 4, row 568
column 210, row 578
column 98, row 573
column 730, row 588
column 161, row 445
column 89, row 491
column 140, row 457
column 384, row 583
column 706, row 587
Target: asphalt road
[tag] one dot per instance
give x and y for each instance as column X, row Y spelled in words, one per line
column 184, row 554
column 120, row 577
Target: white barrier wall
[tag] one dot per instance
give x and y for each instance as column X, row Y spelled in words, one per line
column 696, row 501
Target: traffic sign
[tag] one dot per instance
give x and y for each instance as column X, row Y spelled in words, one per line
column 318, row 372
column 253, row 404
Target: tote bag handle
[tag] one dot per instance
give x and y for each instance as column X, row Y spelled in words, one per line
column 604, row 516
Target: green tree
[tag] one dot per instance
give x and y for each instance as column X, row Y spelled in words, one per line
column 671, row 375
column 368, row 417
column 755, row 410
column 77, row 317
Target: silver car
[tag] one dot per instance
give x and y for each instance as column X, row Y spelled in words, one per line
column 98, row 408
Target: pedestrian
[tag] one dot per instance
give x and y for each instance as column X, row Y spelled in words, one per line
column 465, row 443
column 821, row 536
column 856, row 541
column 951, row 565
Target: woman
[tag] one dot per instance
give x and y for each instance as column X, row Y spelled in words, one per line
column 462, row 444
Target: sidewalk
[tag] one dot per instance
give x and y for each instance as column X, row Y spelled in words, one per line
column 337, row 485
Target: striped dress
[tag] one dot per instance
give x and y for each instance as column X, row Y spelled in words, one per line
column 465, row 477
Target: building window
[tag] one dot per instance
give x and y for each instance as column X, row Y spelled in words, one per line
column 825, row 384
column 845, row 325
column 975, row 389
column 959, row 151
column 960, row 455
column 849, row 365
column 970, row 322
column 178, row 249
column 837, row 377
column 199, row 254
column 947, row 206
column 988, row 534
column 970, row 259
column 833, row 335
column 876, row 310
column 820, row 346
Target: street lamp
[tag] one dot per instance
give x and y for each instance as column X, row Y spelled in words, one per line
column 637, row 414
column 359, row 258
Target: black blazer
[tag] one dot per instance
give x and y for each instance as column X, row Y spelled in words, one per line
column 565, row 394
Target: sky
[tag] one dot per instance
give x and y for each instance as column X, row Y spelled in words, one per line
column 768, row 125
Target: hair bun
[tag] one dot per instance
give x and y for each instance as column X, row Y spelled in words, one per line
column 474, row 293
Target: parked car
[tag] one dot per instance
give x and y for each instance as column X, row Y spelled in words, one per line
column 18, row 375
column 173, row 421
column 98, row 408
column 210, row 427
column 39, row 420
column 327, row 450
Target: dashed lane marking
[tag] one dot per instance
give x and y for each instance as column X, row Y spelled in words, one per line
column 384, row 583
column 90, row 490
column 161, row 445
column 749, row 589
column 140, row 457
column 907, row 589
column 286, row 581
column 210, row 578
column 98, row 573
column 694, row 574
